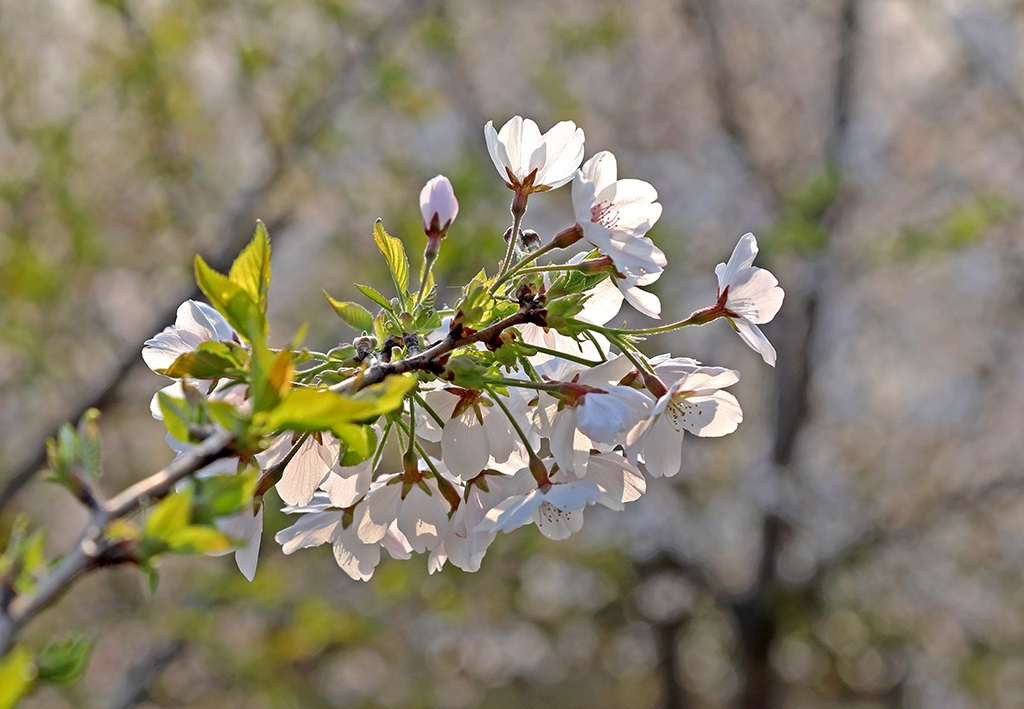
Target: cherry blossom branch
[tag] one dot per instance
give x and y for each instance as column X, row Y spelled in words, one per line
column 529, row 312
column 94, row 550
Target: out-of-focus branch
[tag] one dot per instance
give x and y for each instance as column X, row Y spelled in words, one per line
column 755, row 616
column 107, row 393
column 94, row 550
column 723, row 90
column 141, row 677
column 237, row 221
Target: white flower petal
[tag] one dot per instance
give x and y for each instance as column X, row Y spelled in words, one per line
column 557, row 524
column 377, row 512
column 619, row 481
column 512, row 513
column 344, row 486
column 354, row 557
column 646, row 303
column 465, row 446
column 662, row 445
column 711, row 416
column 742, row 257
column 310, row 531
column 752, row 335
column 303, row 474
column 423, row 518
column 755, row 295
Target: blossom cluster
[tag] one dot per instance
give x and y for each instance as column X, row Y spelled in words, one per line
column 553, row 412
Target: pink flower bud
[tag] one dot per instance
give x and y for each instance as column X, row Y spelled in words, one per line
column 438, row 206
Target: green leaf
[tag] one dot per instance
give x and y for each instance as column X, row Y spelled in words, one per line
column 355, row 315
column 394, row 254
column 429, row 290
column 272, row 376
column 282, row 372
column 65, row 661
column 196, row 539
column 314, row 410
column 232, row 301
column 467, row 372
column 251, row 270
column 358, row 443
column 222, row 495
column 89, row 443
column 225, row 414
column 427, row 321
column 17, row 673
column 176, row 415
column 375, row 296
column 380, row 328
column 211, row 360
column 152, row 577
column 169, row 516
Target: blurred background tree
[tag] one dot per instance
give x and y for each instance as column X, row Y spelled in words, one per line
column 860, row 540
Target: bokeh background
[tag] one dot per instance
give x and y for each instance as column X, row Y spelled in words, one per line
column 858, row 542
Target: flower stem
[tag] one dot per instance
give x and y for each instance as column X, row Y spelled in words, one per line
column 563, row 355
column 532, row 256
column 700, row 317
column 518, row 210
column 428, row 264
column 537, row 468
column 525, row 383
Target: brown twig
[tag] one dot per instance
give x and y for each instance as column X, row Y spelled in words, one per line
column 93, row 549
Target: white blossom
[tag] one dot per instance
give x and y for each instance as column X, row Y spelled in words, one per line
column 602, row 412
column 694, row 402
column 307, row 469
column 475, row 431
column 419, row 509
column 619, row 480
column 195, row 324
column 247, row 528
column 321, row 525
column 557, row 510
column 752, row 296
column 519, row 150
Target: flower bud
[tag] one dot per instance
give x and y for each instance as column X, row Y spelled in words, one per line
column 438, row 206
column 529, row 239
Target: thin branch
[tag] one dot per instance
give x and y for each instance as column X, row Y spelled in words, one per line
column 140, row 678
column 723, row 90
column 94, row 550
column 427, row 360
column 238, row 221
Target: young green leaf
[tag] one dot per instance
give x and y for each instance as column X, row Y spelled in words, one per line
column 211, row 360
column 232, row 301
column 398, row 262
column 17, row 675
column 272, row 376
column 467, row 372
column 355, row 315
column 65, row 661
column 312, row 410
column 169, row 516
column 251, row 270
column 196, row 539
column 357, row 443
column 176, row 415
column 375, row 296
